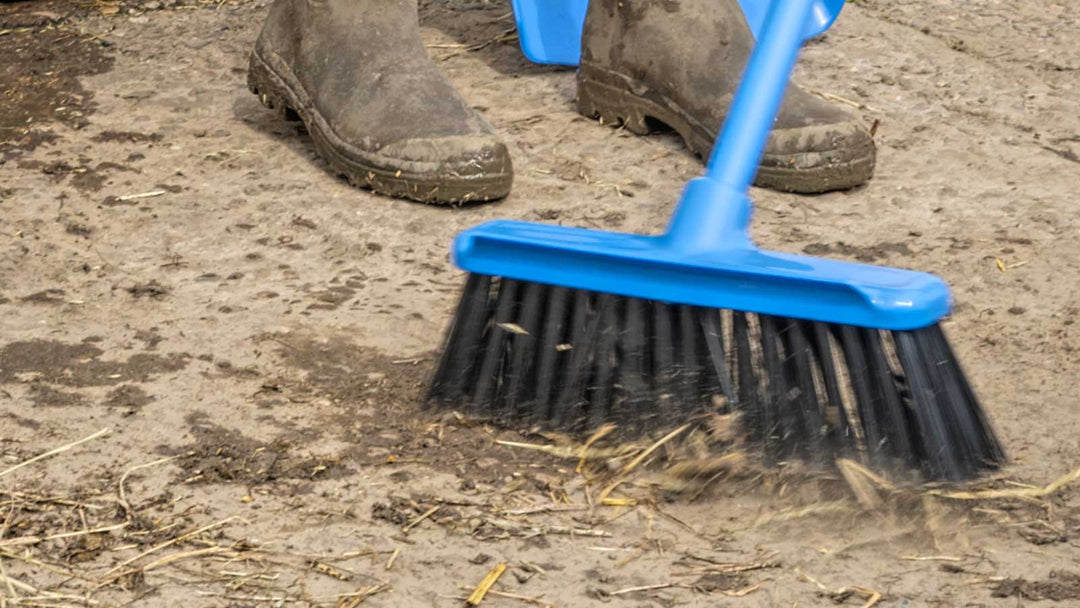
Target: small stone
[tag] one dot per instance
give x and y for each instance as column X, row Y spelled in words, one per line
column 480, row 559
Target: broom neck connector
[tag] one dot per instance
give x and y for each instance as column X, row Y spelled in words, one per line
column 711, row 216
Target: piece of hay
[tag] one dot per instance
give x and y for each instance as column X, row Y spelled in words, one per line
column 481, row 590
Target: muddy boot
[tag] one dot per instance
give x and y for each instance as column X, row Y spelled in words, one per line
column 377, row 108
column 678, row 62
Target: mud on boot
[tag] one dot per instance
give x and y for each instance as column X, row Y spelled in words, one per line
column 378, row 110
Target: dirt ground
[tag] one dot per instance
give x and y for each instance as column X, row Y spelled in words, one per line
column 178, row 268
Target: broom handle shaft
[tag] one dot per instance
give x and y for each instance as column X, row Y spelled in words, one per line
column 714, row 212
column 735, row 157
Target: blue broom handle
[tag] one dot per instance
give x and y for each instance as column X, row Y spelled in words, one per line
column 714, row 211
column 735, row 157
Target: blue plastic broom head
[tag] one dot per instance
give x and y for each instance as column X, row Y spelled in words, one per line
column 705, row 257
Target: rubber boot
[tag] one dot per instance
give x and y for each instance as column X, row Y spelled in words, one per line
column 379, row 111
column 678, row 62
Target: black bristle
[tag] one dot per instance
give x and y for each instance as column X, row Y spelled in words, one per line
column 520, row 387
column 573, row 360
column 665, row 389
column 803, row 395
column 827, row 366
column 890, row 408
column 570, row 404
column 778, row 421
column 455, row 373
column 605, row 364
column 551, row 353
column 928, row 415
column 689, row 367
column 862, row 387
column 489, row 376
column 747, row 376
column 712, row 331
column 632, row 399
column 989, row 448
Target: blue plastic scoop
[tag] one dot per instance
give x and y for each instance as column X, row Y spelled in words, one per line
column 550, row 30
column 705, row 257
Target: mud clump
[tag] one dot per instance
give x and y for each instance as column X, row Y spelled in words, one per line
column 127, row 395
column 150, row 289
column 399, row 511
column 220, row 455
column 1059, row 587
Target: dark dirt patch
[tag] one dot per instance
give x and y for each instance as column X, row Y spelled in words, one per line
column 150, row 338
column 45, row 296
column 1059, row 587
column 332, row 297
column 130, row 137
column 84, row 177
column 220, row 455
column 43, row 395
column 44, row 57
column 375, row 405
column 127, row 395
column 28, row 423
column 88, row 181
column 78, row 364
column 720, row 582
column 79, row 229
column 871, row 253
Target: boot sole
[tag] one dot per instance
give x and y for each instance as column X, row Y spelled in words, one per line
column 609, row 96
column 283, row 94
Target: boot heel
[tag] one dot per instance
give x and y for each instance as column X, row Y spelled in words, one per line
column 611, row 105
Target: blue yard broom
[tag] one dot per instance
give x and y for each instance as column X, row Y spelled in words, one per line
column 569, row 328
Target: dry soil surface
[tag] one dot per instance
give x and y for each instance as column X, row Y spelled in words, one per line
column 178, row 267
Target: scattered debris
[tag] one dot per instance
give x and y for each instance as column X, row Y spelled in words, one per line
column 150, row 289
column 1060, row 586
column 132, row 197
column 839, row 595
